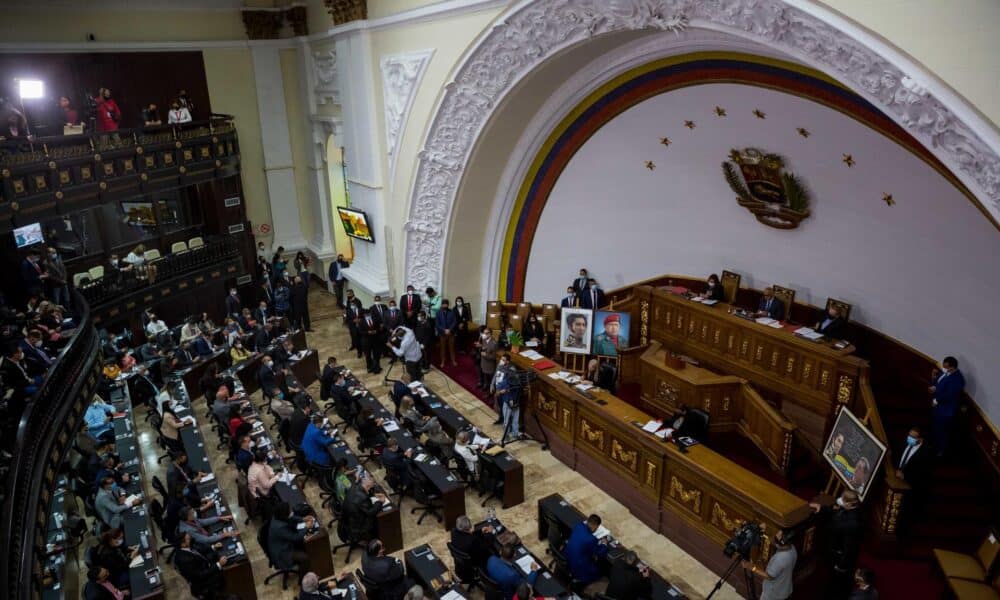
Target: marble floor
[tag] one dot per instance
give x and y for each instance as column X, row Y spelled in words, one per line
column 543, row 473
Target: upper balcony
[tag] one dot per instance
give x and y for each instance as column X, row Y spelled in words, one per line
column 42, row 178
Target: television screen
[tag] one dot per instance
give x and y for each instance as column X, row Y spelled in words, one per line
column 355, row 223
column 28, row 235
column 139, row 213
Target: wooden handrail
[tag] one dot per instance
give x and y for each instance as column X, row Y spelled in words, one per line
column 871, row 415
column 755, row 410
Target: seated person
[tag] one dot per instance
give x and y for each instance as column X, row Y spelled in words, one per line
column 408, row 410
column 358, row 512
column 112, row 554
column 100, row 587
column 533, row 330
column 155, row 326
column 190, row 331
column 196, row 527
column 370, row 429
column 109, row 504
column 685, row 425
column 342, row 481
column 395, row 461
column 238, row 353
column 260, row 477
column 315, row 442
column 385, row 571
column 629, row 578
column 714, row 291
column 201, row 568
column 238, row 426
column 298, row 422
column 202, row 345
column 112, row 468
column 285, row 540
column 474, row 542
column 770, row 306
column 437, row 441
column 243, row 457
column 831, row 324
column 583, row 550
column 466, row 451
column 180, row 473
column 98, row 419
column 312, row 589
column 505, row 573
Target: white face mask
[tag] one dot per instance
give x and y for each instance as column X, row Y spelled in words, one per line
column 593, row 286
column 459, row 303
column 840, row 502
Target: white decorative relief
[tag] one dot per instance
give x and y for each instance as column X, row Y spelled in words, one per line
column 325, row 70
column 533, row 31
column 401, row 75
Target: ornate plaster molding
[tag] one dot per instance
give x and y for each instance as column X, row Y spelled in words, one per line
column 325, row 71
column 534, row 30
column 401, row 75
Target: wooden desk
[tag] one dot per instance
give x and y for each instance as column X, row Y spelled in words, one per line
column 813, row 378
column 248, row 369
column 192, row 375
column 697, row 498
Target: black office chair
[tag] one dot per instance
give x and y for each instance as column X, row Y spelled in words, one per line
column 262, row 536
column 468, row 477
column 698, row 427
column 160, row 488
column 324, row 477
column 373, row 590
column 424, row 494
column 156, row 511
column 560, row 568
column 490, row 481
column 555, row 538
column 156, row 423
column 465, row 569
column 491, row 588
column 352, row 532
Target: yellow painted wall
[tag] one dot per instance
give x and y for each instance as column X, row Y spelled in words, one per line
column 955, row 39
column 382, row 8
column 119, row 25
column 232, row 91
column 449, row 38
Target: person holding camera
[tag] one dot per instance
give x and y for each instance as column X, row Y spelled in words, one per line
column 404, row 344
column 778, row 575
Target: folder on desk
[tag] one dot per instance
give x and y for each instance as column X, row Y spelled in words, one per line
column 493, row 450
column 544, row 364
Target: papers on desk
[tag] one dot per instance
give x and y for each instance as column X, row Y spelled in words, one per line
column 375, row 500
column 414, row 385
column 531, row 344
column 453, row 595
column 133, row 498
column 481, row 441
column 765, row 320
column 564, row 375
column 652, row 426
column 390, row 426
column 208, row 477
column 583, row 387
column 531, row 354
column 524, row 563
column 664, row 433
column 286, row 477
column 808, row 333
column 300, row 354
column 420, row 457
column 709, row 302
column 775, row 325
column 602, row 532
column 137, row 561
column 493, row 450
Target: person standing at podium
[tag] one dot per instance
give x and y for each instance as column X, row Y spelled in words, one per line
column 770, row 306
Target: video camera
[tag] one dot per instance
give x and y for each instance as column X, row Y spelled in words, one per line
column 743, row 541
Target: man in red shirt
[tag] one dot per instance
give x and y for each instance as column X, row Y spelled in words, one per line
column 108, row 113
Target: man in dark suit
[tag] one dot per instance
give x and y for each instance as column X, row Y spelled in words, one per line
column 327, row 378
column 262, row 312
column 570, row 299
column 35, row 356
column 265, row 294
column 770, row 306
column 592, row 297
column 914, row 467
column 410, row 304
column 300, row 419
column 370, row 332
column 268, row 376
column 283, row 354
column 477, row 544
column 831, row 324
column 396, row 461
column 351, row 318
column 378, row 309
column 385, row 571
column 32, row 274
column 947, row 389
column 629, row 578
column 336, row 276
column 203, row 346
column 580, row 283
column 203, row 573
column 233, row 304
column 285, row 540
column 300, row 303
column 843, row 535
column 262, row 337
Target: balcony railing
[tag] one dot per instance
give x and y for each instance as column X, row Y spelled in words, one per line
column 44, row 178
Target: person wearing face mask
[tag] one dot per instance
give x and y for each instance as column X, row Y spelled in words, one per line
column 714, row 290
column 843, row 540
column 335, row 275
column 914, row 467
column 410, row 303
column 533, row 330
column 118, row 265
column 178, row 113
column 107, row 111
column 831, row 323
column 778, row 575
column 463, row 317
column 109, row 505
column 499, row 387
column 238, row 353
column 864, row 585
column 268, row 377
column 424, row 331
column 593, row 297
column 570, row 299
column 233, row 304
column 403, row 343
column 487, row 348
column 445, row 324
column 56, row 282
column 33, row 275
column 112, row 554
column 579, row 284
column 393, row 317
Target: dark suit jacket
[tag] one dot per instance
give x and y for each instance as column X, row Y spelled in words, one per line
column 326, row 381
column 268, row 379
column 30, row 276
column 300, row 295
column 297, row 426
column 477, row 545
column 202, row 574
column 949, row 394
column 201, row 346
column 626, row 582
column 94, row 591
column 835, row 329
column 387, row 572
column 391, row 322
column 405, row 307
column 918, row 467
column 777, row 310
column 262, row 317
column 587, row 301
column 717, row 293
column 282, row 540
column 567, row 302
column 265, row 294
column 12, row 375
column 396, row 461
column 580, row 285
column 233, row 305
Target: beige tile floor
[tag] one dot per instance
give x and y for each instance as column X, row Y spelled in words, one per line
column 543, row 473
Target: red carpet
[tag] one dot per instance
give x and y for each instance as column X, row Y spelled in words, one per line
column 896, row 579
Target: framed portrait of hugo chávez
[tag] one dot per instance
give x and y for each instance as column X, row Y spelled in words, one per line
column 577, row 325
column 610, row 332
column 854, row 452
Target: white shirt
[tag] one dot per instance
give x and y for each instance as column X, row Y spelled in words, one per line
column 181, row 115
column 908, row 454
column 470, row 457
column 134, row 259
column 162, row 398
column 155, row 327
column 409, row 347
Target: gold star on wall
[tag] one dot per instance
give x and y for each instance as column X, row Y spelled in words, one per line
column 665, row 141
column 759, row 113
column 887, row 198
column 650, row 165
column 848, row 160
column 719, row 111
column 803, row 131
column 689, row 124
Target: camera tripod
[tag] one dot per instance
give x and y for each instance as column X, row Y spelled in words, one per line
column 747, row 579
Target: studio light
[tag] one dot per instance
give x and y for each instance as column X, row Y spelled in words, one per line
column 31, row 89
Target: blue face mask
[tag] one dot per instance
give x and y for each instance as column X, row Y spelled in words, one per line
column 911, row 441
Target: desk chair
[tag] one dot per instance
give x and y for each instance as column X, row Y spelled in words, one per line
column 844, row 307
column 373, row 590
column 787, row 296
column 178, row 248
column 160, row 488
column 195, row 242
column 491, row 588
column 560, row 568
column 156, row 511
column 555, row 538
column 730, row 285
column 465, row 570
column 490, row 481
column 262, row 536
column 324, row 477
column 355, row 537
column 425, row 495
column 974, row 567
column 698, row 428
column 156, row 422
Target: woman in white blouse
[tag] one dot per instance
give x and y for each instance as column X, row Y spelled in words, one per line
column 178, row 113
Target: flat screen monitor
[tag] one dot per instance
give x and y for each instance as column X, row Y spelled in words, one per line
column 355, row 223
column 28, row 235
column 139, row 213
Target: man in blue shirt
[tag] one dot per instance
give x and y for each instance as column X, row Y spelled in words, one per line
column 202, row 345
column 98, row 419
column 315, row 441
column 502, row 570
column 583, row 549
